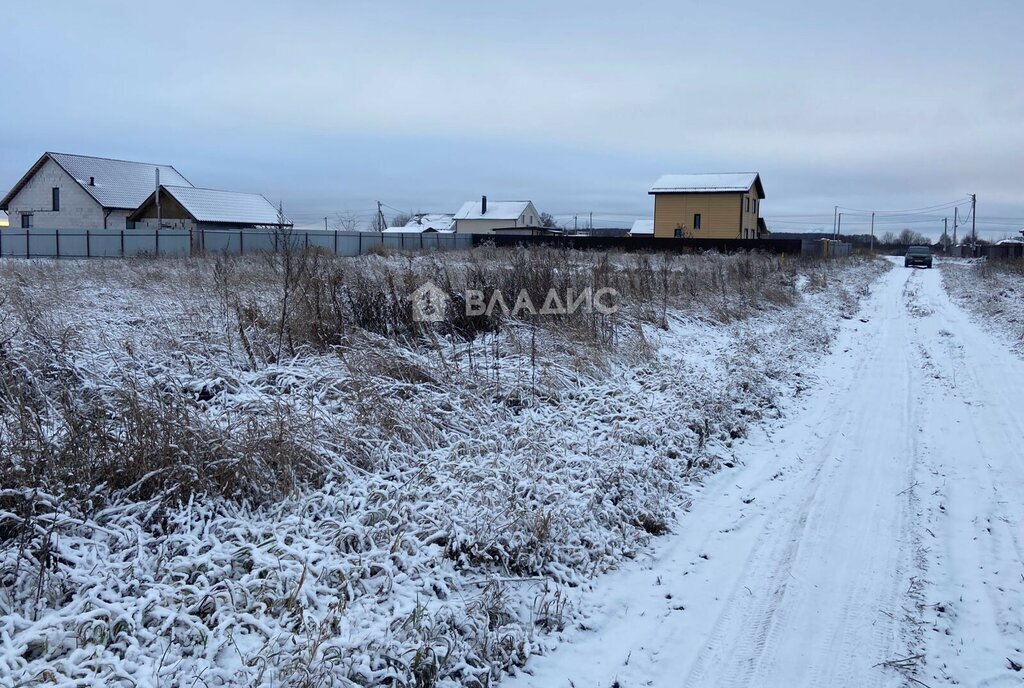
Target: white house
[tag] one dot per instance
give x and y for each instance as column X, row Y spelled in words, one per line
column 62, row 191
column 483, row 217
column 642, row 228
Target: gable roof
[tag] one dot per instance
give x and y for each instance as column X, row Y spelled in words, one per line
column 496, row 210
column 213, row 205
column 117, row 183
column 708, row 183
column 642, row 227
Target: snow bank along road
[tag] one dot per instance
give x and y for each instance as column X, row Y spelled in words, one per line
column 873, row 540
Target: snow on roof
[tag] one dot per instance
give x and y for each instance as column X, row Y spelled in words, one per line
column 416, row 229
column 681, row 183
column 441, row 222
column 117, row 183
column 642, row 227
column 229, row 207
column 496, row 210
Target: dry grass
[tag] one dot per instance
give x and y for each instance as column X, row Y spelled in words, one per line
column 276, row 438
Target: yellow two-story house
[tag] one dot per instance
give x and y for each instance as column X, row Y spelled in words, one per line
column 708, row 206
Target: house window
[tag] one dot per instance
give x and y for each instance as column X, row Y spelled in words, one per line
column 55, row 198
column 696, row 220
column 679, row 232
column 747, row 198
column 26, row 220
column 129, row 224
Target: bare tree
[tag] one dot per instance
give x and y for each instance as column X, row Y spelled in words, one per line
column 401, row 219
column 345, row 222
column 547, row 220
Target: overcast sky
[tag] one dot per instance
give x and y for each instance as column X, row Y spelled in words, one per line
column 580, row 106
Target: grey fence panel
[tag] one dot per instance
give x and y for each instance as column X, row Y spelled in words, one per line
column 174, row 244
column 138, row 244
column 259, row 242
column 349, row 244
column 222, row 242
column 323, row 240
column 370, row 241
column 100, row 243
column 42, row 243
column 13, row 243
column 72, row 244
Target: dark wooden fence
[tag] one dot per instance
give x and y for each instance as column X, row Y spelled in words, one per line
column 634, row 243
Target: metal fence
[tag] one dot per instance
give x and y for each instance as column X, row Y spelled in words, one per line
column 644, row 243
column 113, row 243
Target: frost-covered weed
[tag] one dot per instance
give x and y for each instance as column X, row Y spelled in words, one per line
column 201, row 486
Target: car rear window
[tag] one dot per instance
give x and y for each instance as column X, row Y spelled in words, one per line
column 919, row 250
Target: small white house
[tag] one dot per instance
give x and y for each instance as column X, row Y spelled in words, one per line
column 483, row 217
column 642, row 228
column 62, row 191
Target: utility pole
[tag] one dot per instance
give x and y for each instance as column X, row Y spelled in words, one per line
column 835, row 224
column 380, row 217
column 839, row 226
column 945, row 235
column 591, row 221
column 159, row 215
column 872, row 231
column 974, row 221
column 956, row 216
column 573, row 224
column 325, row 224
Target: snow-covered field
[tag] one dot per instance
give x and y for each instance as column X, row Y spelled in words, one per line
column 994, row 290
column 874, row 539
column 204, row 483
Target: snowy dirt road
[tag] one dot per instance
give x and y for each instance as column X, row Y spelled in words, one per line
column 874, row 539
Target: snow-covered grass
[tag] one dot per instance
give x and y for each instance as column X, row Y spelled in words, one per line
column 994, row 290
column 262, row 471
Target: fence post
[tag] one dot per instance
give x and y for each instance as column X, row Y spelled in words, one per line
column 88, row 253
column 56, row 241
column 241, row 244
column 360, row 244
column 28, row 249
column 335, row 243
column 157, row 236
column 122, row 243
column 306, row 246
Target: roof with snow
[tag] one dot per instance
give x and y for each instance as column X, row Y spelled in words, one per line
column 222, row 207
column 441, row 222
column 115, row 183
column 416, row 229
column 496, row 210
column 642, row 227
column 708, row 183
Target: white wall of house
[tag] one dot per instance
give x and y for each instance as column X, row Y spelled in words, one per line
column 78, row 210
column 528, row 218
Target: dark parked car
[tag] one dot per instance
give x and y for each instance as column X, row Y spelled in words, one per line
column 918, row 255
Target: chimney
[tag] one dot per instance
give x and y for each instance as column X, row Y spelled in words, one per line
column 483, row 205
column 92, row 181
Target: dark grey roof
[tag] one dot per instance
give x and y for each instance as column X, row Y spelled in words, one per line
column 116, row 183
